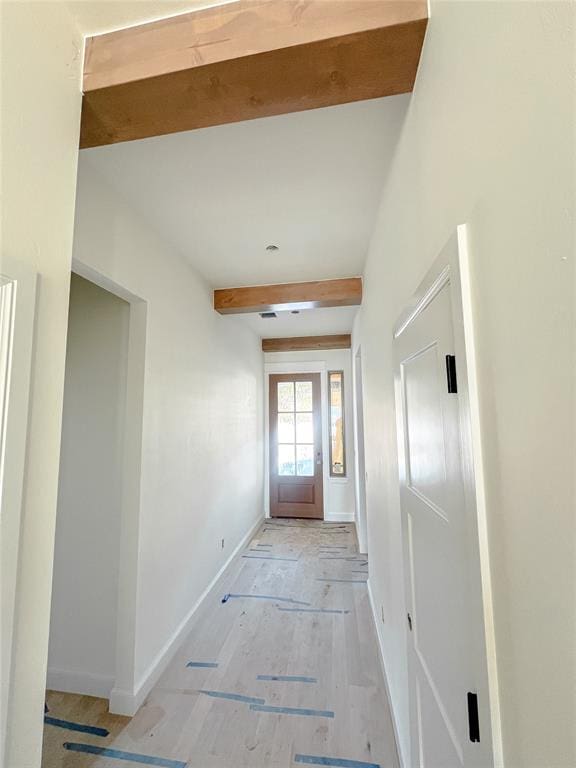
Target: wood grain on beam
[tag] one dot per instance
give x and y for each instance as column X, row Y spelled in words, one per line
column 249, row 59
column 302, row 343
column 289, row 296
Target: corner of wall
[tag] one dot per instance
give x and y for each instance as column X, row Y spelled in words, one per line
column 125, row 702
column 84, row 683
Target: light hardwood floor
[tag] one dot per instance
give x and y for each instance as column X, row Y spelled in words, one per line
column 247, row 637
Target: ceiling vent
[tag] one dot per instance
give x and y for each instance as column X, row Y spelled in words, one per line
column 267, row 315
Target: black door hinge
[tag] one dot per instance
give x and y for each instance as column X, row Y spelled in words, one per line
column 473, row 722
column 409, row 622
column 451, row 374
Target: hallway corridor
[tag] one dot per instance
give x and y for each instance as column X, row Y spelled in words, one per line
column 281, row 668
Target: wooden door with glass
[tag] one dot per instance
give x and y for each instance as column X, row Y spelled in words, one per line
column 296, row 471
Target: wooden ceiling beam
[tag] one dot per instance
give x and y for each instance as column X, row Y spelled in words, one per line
column 289, row 296
column 248, row 59
column 307, row 343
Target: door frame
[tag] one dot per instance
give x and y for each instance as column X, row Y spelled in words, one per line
column 18, row 287
column 127, row 694
column 317, row 430
column 453, row 266
column 360, row 451
column 297, row 368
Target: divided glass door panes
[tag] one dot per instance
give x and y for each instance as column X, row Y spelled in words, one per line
column 296, row 471
column 295, row 429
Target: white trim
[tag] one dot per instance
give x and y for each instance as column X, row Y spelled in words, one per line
column 85, row 683
column 126, row 610
column 360, row 498
column 341, row 517
column 421, row 301
column 126, row 702
column 7, row 320
column 17, row 319
column 380, row 644
column 479, row 474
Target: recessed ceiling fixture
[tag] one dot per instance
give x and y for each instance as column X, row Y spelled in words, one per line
column 268, row 315
column 272, row 248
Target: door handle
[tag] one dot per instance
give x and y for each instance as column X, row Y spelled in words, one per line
column 319, row 458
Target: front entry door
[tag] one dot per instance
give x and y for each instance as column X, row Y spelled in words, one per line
column 447, row 661
column 296, row 471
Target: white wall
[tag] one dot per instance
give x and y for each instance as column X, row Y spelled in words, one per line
column 82, row 653
column 488, row 139
column 40, row 119
column 202, row 459
column 339, row 501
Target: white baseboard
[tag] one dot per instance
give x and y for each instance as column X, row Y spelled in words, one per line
column 339, row 517
column 375, row 618
column 336, row 517
column 85, row 683
column 123, row 702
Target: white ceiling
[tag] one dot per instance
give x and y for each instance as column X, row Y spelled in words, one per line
column 309, row 182
column 95, row 17
column 309, row 322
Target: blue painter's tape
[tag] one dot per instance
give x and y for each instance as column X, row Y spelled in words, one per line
column 69, row 726
column 234, row 697
column 271, row 557
column 269, row 597
column 336, row 762
column 292, row 710
column 312, row 610
column 350, row 581
column 203, row 664
column 118, row 754
column 288, row 678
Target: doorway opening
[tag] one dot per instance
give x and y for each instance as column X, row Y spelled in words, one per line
column 83, row 625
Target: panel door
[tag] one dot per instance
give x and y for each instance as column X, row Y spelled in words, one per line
column 296, row 467
column 445, row 664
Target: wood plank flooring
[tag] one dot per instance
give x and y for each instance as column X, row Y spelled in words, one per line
column 325, row 634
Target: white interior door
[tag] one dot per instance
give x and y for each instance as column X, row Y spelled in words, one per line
column 447, row 662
